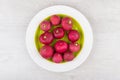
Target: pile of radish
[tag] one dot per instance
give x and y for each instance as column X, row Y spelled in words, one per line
column 61, row 50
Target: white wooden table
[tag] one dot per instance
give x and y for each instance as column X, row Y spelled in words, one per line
column 103, row 62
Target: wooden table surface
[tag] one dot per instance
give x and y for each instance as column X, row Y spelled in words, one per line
column 103, row 62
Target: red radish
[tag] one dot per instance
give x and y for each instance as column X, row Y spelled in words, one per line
column 58, row 32
column 73, row 35
column 55, row 20
column 57, row 58
column 46, row 52
column 67, row 23
column 61, row 46
column 46, row 38
column 74, row 47
column 68, row 56
column 45, row 25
